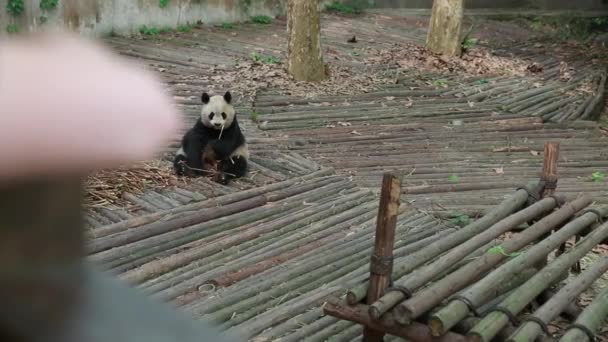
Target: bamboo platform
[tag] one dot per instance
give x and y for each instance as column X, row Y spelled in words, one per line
column 261, row 257
column 482, row 298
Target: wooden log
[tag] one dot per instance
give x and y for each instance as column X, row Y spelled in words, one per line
column 508, row 206
column 444, row 319
column 492, row 323
column 591, row 319
column 435, row 293
column 359, row 314
column 422, row 276
column 530, row 330
column 381, row 263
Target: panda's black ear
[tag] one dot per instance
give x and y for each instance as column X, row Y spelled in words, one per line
column 228, row 97
column 205, row 98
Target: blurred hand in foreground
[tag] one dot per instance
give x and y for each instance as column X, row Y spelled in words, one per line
column 68, row 105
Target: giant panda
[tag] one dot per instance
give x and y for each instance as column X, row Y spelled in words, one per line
column 216, row 138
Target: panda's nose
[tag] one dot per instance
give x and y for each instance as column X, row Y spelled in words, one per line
column 217, row 124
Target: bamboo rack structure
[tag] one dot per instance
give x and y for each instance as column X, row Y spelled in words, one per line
column 394, row 301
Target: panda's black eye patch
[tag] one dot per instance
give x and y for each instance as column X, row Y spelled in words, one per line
column 224, row 116
column 211, row 115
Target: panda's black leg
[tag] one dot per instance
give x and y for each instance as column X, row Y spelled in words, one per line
column 179, row 165
column 235, row 167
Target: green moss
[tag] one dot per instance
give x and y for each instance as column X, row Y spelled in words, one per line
column 262, row 19
column 344, row 7
column 15, row 7
column 48, row 5
column 12, row 29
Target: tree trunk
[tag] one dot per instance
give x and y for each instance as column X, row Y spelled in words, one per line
column 445, row 27
column 304, row 58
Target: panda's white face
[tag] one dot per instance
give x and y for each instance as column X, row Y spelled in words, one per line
column 217, row 112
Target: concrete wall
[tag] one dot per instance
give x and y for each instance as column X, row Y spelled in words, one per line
column 530, row 4
column 124, row 17
column 102, row 17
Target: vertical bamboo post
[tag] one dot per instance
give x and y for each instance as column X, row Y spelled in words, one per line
column 381, row 263
column 549, row 177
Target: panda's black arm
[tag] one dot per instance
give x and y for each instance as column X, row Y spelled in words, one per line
column 194, row 152
column 223, row 148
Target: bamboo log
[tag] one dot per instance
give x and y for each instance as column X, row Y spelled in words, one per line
column 381, row 263
column 159, row 228
column 446, row 318
column 174, row 261
column 359, row 314
column 435, row 293
column 424, row 275
column 309, row 329
column 300, row 322
column 349, row 254
column 155, row 244
column 332, row 331
column 222, row 200
column 230, row 278
column 225, row 262
column 591, row 319
column 530, row 330
column 571, row 311
column 311, row 279
column 347, row 335
column 508, row 206
column 595, row 106
column 141, row 252
column 287, row 310
column 490, row 325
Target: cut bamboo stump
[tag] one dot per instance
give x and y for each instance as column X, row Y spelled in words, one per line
column 381, row 263
column 548, row 179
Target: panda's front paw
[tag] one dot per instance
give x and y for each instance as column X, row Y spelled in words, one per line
column 221, row 178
